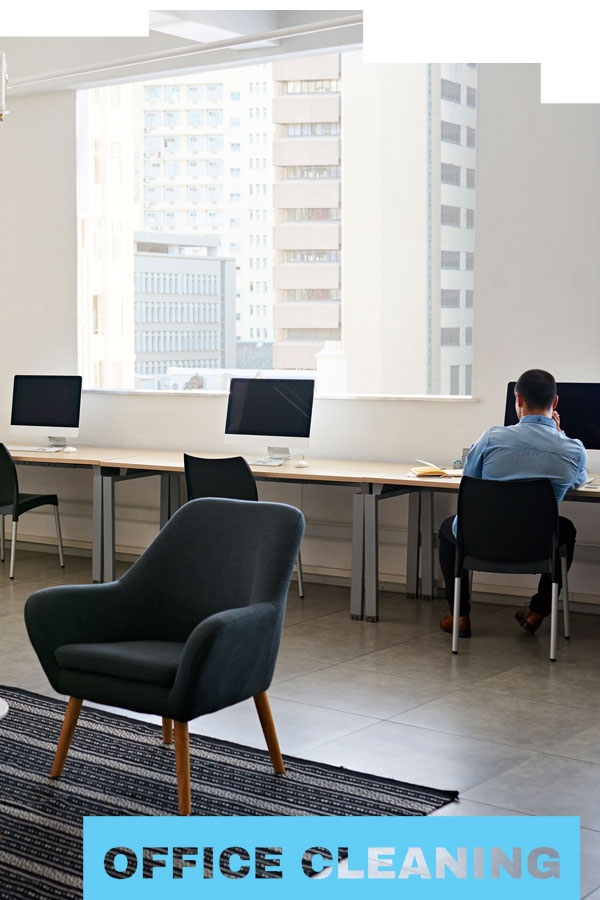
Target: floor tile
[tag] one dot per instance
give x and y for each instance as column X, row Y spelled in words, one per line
column 546, row 786
column 421, row 756
column 362, row 692
column 492, row 716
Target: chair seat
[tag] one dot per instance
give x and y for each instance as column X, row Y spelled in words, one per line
column 25, row 502
column 155, row 662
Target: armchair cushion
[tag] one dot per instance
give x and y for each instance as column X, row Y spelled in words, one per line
column 154, row 662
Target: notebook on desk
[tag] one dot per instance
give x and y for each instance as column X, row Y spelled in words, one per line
column 430, row 470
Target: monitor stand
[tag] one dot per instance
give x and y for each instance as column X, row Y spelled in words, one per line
column 59, row 443
column 276, row 457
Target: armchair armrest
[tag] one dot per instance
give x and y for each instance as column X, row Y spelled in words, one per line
column 227, row 658
column 72, row 614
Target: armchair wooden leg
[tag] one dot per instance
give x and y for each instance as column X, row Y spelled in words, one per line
column 182, row 762
column 266, row 720
column 64, row 741
column 167, row 731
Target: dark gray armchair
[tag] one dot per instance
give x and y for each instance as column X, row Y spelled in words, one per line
column 192, row 627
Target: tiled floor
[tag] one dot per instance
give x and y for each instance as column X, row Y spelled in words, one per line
column 515, row 734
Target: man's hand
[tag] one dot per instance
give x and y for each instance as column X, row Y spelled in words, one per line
column 556, row 418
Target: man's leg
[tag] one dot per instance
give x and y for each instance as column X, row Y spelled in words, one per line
column 447, row 559
column 541, row 602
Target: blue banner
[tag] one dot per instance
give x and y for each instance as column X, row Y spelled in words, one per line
column 331, row 857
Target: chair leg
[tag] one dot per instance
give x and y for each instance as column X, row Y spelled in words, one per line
column 182, row 762
column 167, row 731
column 263, row 709
column 13, row 547
column 2, row 542
column 300, row 577
column 64, row 741
column 554, row 621
column 59, row 538
column 565, row 593
column 456, row 614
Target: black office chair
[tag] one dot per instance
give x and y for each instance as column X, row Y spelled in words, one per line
column 231, row 478
column 510, row 527
column 192, row 627
column 15, row 504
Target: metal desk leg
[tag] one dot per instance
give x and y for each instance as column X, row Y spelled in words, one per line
column 412, row 549
column 97, row 535
column 358, row 550
column 427, row 548
column 164, row 498
column 371, row 501
column 175, row 492
column 108, row 504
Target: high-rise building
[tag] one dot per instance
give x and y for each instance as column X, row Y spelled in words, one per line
column 306, row 198
column 184, row 303
column 408, row 137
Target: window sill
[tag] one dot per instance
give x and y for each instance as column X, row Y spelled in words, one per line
column 408, row 398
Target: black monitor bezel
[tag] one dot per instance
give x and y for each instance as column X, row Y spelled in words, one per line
column 242, row 380
column 47, row 378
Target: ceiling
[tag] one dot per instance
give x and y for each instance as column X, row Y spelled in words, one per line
column 53, row 63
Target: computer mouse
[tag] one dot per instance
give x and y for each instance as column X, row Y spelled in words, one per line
column 302, row 464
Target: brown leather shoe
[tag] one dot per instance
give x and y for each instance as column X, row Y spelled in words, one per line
column 464, row 625
column 528, row 620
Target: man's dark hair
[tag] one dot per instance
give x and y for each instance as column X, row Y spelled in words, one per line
column 537, row 388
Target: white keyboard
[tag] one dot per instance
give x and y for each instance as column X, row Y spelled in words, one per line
column 35, row 449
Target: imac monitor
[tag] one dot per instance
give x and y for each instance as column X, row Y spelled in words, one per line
column 46, row 405
column 277, row 411
column 578, row 407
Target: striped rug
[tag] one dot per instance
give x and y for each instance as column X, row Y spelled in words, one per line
column 119, row 766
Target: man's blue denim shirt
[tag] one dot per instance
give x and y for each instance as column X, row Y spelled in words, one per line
column 534, row 448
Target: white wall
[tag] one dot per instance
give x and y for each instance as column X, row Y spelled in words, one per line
column 537, row 284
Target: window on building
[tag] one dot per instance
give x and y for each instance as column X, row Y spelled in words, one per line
column 468, row 336
column 470, row 218
column 468, row 379
column 455, row 380
column 450, row 215
column 470, row 137
column 471, row 97
column 451, row 90
column 450, row 337
column 450, row 132
column 469, row 261
column 450, row 298
column 470, row 178
column 469, row 299
column 450, row 259
column 450, row 174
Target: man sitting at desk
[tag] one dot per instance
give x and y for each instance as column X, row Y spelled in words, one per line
column 534, row 448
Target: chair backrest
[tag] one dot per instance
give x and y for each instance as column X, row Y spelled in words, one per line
column 230, row 478
column 510, row 522
column 9, row 483
column 214, row 555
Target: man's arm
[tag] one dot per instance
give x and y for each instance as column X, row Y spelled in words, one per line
column 582, row 475
column 473, row 466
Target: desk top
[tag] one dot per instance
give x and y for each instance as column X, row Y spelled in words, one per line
column 83, row 456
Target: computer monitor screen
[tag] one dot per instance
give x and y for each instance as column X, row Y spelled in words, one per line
column 578, row 407
column 270, row 407
column 49, row 402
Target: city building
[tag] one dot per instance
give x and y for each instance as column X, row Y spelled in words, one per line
column 184, row 304
column 306, row 200
column 408, row 214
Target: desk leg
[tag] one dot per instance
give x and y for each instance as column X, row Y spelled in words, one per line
column 371, row 501
column 108, row 504
column 358, row 558
column 412, row 550
column 175, row 492
column 427, row 547
column 97, row 535
column 164, row 498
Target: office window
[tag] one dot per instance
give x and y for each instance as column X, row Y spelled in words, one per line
column 450, row 215
column 182, row 188
column 455, row 380
column 450, row 174
column 450, row 90
column 450, row 298
column 450, row 132
column 450, row 259
column 451, row 337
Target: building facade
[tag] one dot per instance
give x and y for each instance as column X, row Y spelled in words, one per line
column 306, row 200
